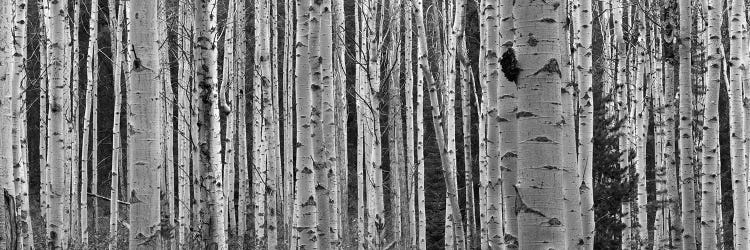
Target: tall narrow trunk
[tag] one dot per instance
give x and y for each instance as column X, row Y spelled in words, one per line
column 43, row 119
column 640, row 131
column 418, row 10
column 184, row 119
column 507, row 105
column 571, row 183
column 145, row 135
column 685, row 127
column 116, row 12
column 411, row 177
column 227, row 100
column 166, row 175
column 205, row 56
column 21, row 166
column 586, row 122
column 539, row 182
column 58, row 73
column 395, row 126
column 736, row 120
column 91, row 77
column 288, row 114
column 305, row 211
column 710, row 177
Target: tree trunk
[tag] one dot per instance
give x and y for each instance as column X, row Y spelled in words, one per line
column 418, row 10
column 145, row 138
column 21, row 166
column 58, row 73
column 685, row 127
column 184, row 120
column 640, row 131
column 571, row 184
column 710, row 177
column 395, row 126
column 91, row 77
column 305, row 211
column 539, row 182
column 507, row 105
column 115, row 22
column 586, row 121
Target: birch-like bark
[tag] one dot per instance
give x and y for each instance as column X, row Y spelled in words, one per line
column 710, row 177
column 20, row 167
column 640, row 131
column 507, row 105
column 44, row 184
column 539, row 189
column 116, row 16
column 736, row 121
column 411, row 177
column 184, row 120
column 91, row 78
column 395, row 126
column 687, row 174
column 418, row 10
column 305, row 204
column 572, row 176
column 58, row 73
column 145, row 135
column 586, row 121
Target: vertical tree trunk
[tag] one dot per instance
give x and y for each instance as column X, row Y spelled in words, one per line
column 395, row 143
column 167, row 176
column 586, row 122
column 206, row 62
column 640, row 131
column 411, row 177
column 21, row 167
column 710, row 177
column 341, row 118
column 145, row 138
column 418, row 10
column 227, row 100
column 184, row 120
column 305, row 217
column 91, row 77
column 571, row 183
column 288, row 114
column 736, row 121
column 116, row 16
column 260, row 78
column 685, row 127
column 539, row 188
column 507, row 105
column 58, row 72
column 43, row 119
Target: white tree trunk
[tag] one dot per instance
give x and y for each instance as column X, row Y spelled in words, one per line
column 539, row 189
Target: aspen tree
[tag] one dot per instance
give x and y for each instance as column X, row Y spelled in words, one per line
column 206, row 56
column 226, row 99
column 586, row 121
column 261, row 78
column 507, row 105
column 341, row 117
column 43, row 119
column 736, row 121
column 305, row 210
column 675, row 224
column 270, row 120
column 59, row 101
column 7, row 118
column 91, row 85
column 410, row 157
column 115, row 22
column 184, row 119
column 418, row 10
column 359, row 74
column 145, row 152
column 73, row 174
column 657, row 91
column 21, row 163
column 167, row 176
column 466, row 93
column 395, row 143
column 455, row 27
column 240, row 105
column 640, row 130
column 710, row 177
column 288, row 113
column 490, row 181
column 685, row 127
column 538, row 187
column 487, row 71
column 571, row 182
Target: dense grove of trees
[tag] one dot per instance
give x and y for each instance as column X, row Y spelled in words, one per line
column 381, row 124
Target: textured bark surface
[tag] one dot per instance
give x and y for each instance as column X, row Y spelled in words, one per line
column 538, row 187
column 145, row 136
column 687, row 168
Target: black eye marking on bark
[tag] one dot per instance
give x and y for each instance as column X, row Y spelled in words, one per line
column 551, row 67
column 509, row 65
